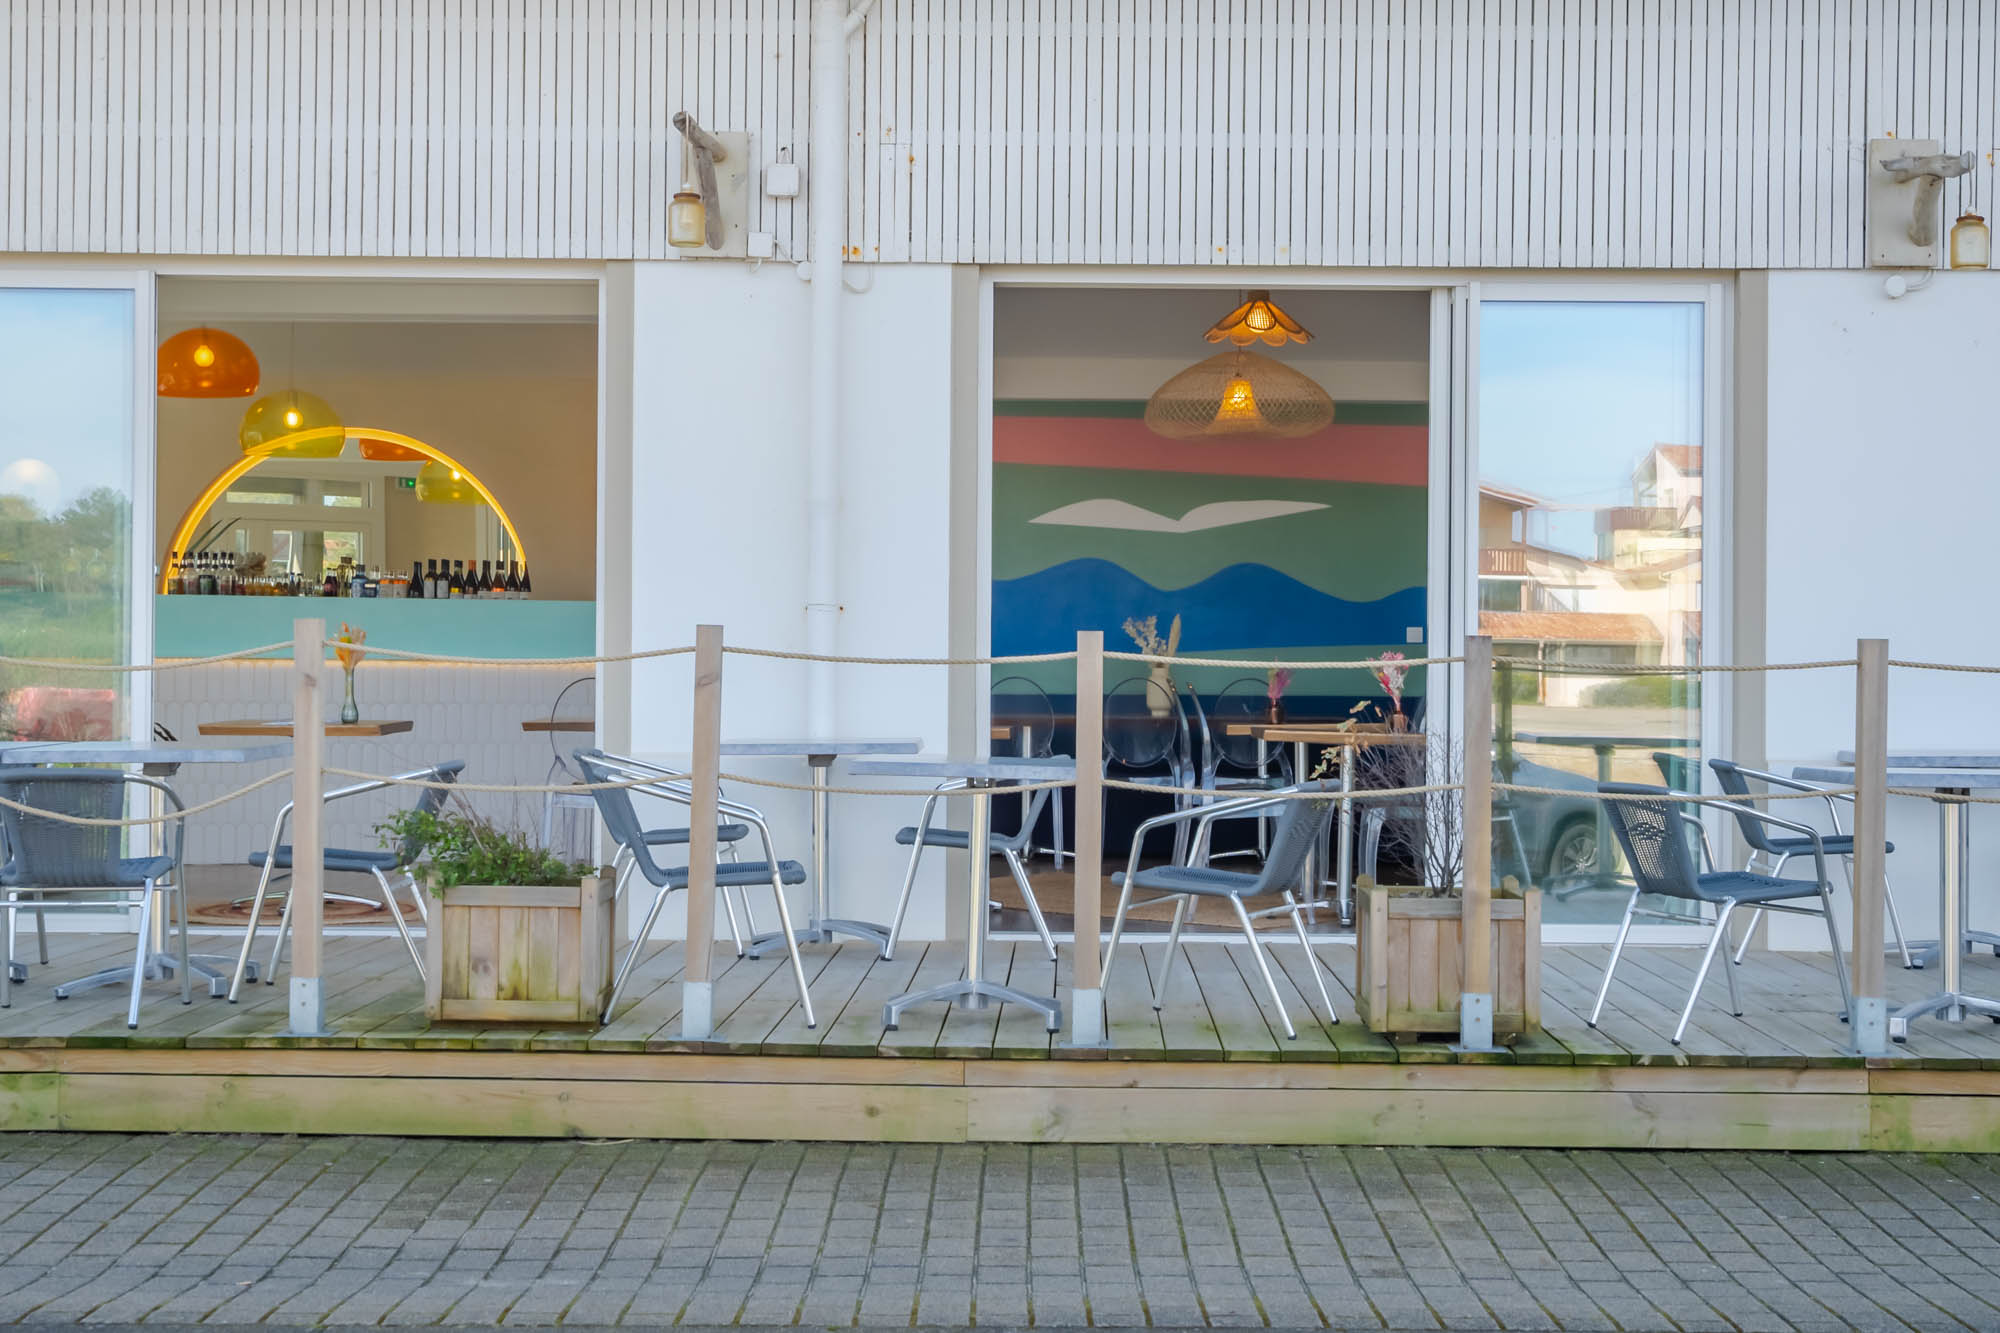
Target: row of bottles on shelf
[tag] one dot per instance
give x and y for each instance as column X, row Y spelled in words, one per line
column 469, row 578
column 228, row 574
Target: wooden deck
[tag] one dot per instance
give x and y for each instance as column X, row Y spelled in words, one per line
column 1211, row 1065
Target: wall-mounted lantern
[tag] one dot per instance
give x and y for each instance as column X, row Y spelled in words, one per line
column 1971, row 242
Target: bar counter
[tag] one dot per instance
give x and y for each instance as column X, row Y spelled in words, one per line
column 202, row 626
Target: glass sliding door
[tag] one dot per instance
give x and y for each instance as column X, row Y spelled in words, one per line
column 1591, row 425
column 70, row 535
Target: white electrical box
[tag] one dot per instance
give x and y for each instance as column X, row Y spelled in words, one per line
column 781, row 180
column 762, row 245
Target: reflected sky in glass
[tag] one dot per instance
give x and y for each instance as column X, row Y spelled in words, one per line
column 1573, row 393
column 65, row 394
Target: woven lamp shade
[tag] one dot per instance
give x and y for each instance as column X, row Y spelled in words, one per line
column 1238, row 393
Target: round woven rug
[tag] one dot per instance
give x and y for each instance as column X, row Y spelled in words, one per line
column 337, row 912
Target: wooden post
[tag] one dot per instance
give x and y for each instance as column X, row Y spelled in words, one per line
column 1869, row 1021
column 697, row 986
column 1475, row 1004
column 308, row 994
column 1086, row 1001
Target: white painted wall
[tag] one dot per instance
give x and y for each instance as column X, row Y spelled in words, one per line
column 719, row 476
column 1884, row 462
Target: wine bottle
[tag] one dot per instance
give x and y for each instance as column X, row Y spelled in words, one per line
column 527, row 588
column 486, row 578
column 511, row 589
column 415, row 587
column 472, row 577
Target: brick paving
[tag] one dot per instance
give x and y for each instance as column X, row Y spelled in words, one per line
column 194, row 1229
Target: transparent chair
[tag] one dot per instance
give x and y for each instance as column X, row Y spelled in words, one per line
column 1025, row 710
column 1145, row 728
column 621, row 820
column 55, row 866
column 391, row 868
column 1298, row 825
column 571, row 808
column 1651, row 834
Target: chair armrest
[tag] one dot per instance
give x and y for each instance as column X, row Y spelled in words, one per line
column 180, row 825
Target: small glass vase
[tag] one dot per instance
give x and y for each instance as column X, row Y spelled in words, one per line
column 350, row 712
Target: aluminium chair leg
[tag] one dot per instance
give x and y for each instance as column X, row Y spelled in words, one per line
column 1264, row 966
column 7, row 972
column 1020, row 873
column 1715, row 939
column 278, row 938
column 631, row 960
column 402, row 926
column 1312, row 961
column 1839, row 956
column 1729, row 972
column 187, row 968
column 792, row 947
column 1055, row 815
column 729, row 910
column 250, row 933
column 1757, row 914
column 1111, row 944
column 1896, row 924
column 909, row 878
column 1611, row 963
column 1173, row 952
column 41, row 938
column 139, row 957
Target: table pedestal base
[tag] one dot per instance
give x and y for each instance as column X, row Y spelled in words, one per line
column 1950, row 1005
column 973, row 994
column 819, row 932
column 212, row 968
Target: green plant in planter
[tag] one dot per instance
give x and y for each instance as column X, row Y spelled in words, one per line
column 456, row 848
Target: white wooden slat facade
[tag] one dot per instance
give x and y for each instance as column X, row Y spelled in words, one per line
column 1419, row 133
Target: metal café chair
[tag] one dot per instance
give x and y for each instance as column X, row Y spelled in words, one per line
column 727, row 835
column 621, row 820
column 48, row 861
column 1026, row 708
column 1776, row 852
column 391, row 868
column 1656, row 850
column 566, row 804
column 1009, row 846
column 1298, row 826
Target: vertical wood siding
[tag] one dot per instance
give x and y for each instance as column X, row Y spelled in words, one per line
column 1540, row 133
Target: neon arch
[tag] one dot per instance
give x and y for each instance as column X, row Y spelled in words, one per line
column 196, row 512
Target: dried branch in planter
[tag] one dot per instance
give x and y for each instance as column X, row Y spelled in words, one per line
column 1424, row 833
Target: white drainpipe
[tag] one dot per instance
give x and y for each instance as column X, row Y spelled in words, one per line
column 828, row 201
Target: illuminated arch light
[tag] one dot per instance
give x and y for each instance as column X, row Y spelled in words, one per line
column 191, row 520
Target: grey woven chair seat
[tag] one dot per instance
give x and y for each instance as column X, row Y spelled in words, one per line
column 955, row 838
column 744, row 873
column 335, row 858
column 133, row 872
column 678, row 837
column 1190, row 879
column 1836, row 844
column 1745, row 886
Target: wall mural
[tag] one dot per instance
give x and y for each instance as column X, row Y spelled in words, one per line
column 1312, row 547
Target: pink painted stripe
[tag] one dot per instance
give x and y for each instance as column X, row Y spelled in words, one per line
column 1387, row 455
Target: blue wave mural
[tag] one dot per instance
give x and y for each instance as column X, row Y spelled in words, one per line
column 1241, row 606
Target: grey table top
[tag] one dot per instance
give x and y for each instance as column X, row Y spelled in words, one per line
column 1934, row 759
column 1933, row 779
column 1609, row 742
column 824, row 745
column 1000, row 768
column 139, row 752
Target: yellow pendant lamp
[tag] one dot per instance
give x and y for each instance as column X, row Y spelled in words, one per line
column 292, row 424
column 1258, row 319
column 442, row 484
column 1239, row 393
column 207, row 363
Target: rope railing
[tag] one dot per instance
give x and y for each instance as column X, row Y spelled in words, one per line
column 449, row 659
column 167, row 817
column 134, row 668
column 655, row 780
column 786, row 655
column 1255, row 664
column 1915, row 665
column 1541, row 668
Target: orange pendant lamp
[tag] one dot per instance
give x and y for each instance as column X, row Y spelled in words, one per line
column 1258, row 319
column 207, row 363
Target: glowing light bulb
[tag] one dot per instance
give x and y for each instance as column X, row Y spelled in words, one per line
column 1239, row 405
column 292, row 417
column 455, row 476
column 204, row 356
column 1260, row 317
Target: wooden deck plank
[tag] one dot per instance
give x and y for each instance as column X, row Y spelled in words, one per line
column 1132, row 1027
column 845, row 971
column 856, row 1029
column 1644, row 1042
column 1350, row 1037
column 1189, row 1029
column 917, row 1032
column 1712, row 1037
column 652, row 999
column 968, row 1034
column 1812, row 1040
column 1022, row 1033
column 1243, row 1026
column 1315, row 1041
column 742, row 1030
column 733, row 979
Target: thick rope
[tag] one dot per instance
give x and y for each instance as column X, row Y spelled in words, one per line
column 1943, row 666
column 1944, row 798
column 1011, row 789
column 788, row 656
column 1634, row 669
column 409, row 655
column 1248, row 664
column 1279, row 794
column 1676, row 798
column 91, row 822
column 128, row 668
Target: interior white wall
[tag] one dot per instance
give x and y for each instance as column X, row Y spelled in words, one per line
column 719, row 493
column 1882, row 477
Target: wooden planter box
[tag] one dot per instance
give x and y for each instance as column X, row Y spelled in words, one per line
column 1407, row 953
column 520, row 955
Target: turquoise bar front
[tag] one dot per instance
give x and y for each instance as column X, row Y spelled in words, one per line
column 201, row 626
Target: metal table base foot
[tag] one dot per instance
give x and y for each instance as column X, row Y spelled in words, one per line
column 1948, row 1005
column 775, row 939
column 212, row 968
column 860, row 930
column 973, row 993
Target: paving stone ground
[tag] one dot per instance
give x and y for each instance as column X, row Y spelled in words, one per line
column 111, row 1230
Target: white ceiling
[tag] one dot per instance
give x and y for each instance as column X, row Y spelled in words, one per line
column 184, row 301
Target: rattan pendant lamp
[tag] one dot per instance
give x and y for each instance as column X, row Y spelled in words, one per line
column 1241, row 392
